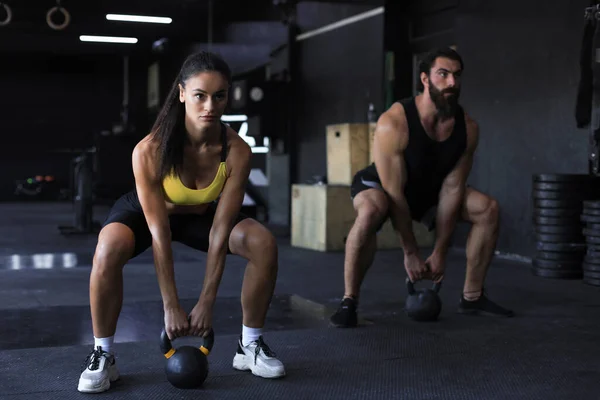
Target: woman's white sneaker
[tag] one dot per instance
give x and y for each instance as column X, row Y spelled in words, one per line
column 258, row 358
column 99, row 370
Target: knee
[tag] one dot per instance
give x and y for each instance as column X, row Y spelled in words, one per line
column 371, row 214
column 110, row 256
column 260, row 243
column 268, row 244
column 264, row 253
column 491, row 214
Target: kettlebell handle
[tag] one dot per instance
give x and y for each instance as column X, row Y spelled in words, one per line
column 411, row 287
column 167, row 348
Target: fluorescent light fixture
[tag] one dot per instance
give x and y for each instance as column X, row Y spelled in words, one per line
column 138, row 18
column 107, row 39
column 243, row 131
column 234, row 118
column 15, row 261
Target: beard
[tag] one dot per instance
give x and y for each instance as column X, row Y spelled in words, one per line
column 446, row 105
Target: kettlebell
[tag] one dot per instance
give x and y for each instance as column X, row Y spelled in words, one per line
column 187, row 366
column 423, row 304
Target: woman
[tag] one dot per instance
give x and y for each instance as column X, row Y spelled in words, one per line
column 188, row 161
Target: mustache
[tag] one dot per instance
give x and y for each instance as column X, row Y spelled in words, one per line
column 452, row 91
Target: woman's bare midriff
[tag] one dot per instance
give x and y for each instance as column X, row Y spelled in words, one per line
column 179, row 209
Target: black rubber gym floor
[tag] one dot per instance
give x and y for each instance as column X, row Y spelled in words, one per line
column 548, row 351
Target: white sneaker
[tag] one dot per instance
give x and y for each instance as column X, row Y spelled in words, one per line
column 100, row 370
column 258, row 358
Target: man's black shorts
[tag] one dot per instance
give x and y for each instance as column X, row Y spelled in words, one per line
column 367, row 178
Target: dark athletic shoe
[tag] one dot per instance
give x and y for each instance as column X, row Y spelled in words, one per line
column 483, row 306
column 345, row 316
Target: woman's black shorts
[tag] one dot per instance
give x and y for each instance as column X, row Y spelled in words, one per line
column 190, row 229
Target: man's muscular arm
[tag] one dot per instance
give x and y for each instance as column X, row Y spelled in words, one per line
column 391, row 138
column 453, row 191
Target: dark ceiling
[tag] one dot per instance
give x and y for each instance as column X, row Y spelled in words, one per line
column 29, row 32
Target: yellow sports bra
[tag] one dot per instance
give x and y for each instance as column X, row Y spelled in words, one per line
column 177, row 193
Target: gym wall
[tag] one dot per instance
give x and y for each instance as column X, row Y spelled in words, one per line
column 55, row 102
column 316, row 14
column 341, row 71
column 240, row 57
column 520, row 84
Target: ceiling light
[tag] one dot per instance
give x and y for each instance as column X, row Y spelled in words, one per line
column 138, row 18
column 107, row 39
column 234, row 118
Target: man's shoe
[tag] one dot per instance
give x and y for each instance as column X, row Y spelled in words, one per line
column 483, row 306
column 345, row 316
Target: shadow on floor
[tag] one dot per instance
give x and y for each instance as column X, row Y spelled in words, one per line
column 140, row 321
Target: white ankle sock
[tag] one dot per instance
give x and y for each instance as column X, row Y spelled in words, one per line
column 250, row 334
column 106, row 343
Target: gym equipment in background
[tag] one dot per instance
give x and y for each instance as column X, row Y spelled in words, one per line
column 82, row 181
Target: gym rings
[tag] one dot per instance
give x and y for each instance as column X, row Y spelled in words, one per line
column 8, row 14
column 64, row 12
column 49, row 15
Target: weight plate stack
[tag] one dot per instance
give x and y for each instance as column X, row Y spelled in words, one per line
column 591, row 263
column 557, row 208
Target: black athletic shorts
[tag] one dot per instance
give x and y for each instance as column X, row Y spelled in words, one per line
column 367, row 178
column 190, row 229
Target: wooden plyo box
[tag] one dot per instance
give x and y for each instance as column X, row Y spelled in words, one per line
column 371, row 138
column 347, row 152
column 322, row 216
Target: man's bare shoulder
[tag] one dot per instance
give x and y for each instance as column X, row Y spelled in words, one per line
column 392, row 128
column 470, row 122
column 393, row 118
column 472, row 130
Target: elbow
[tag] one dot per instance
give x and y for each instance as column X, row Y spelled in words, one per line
column 454, row 191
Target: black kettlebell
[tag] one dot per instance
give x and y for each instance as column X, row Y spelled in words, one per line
column 423, row 304
column 187, row 366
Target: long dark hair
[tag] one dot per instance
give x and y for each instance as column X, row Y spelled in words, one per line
column 168, row 129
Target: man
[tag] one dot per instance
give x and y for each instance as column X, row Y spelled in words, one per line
column 423, row 152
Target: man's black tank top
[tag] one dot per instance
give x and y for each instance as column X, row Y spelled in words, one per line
column 428, row 161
